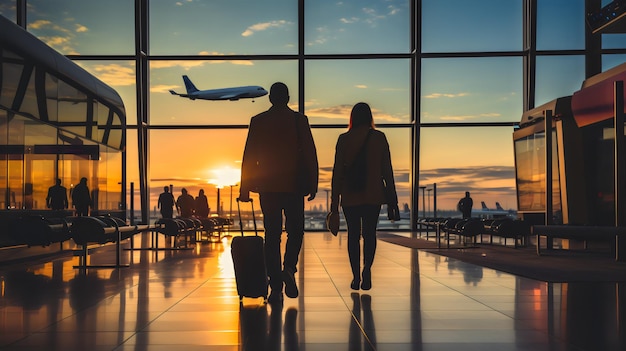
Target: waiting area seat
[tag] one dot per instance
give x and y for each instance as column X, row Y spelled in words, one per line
column 37, row 230
column 101, row 230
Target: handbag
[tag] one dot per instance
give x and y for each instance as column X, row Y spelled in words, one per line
column 332, row 222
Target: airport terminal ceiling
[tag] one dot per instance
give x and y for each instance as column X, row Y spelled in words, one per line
column 470, row 96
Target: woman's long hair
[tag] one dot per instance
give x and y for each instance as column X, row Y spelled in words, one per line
column 361, row 115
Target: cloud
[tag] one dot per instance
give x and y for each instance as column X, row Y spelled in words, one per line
column 162, row 88
column 113, row 74
column 264, row 26
column 457, row 180
column 80, row 28
column 187, row 65
column 342, row 112
column 461, row 118
column 361, row 86
column 445, row 95
column 39, row 24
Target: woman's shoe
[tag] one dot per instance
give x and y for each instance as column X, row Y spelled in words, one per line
column 366, row 284
column 355, row 284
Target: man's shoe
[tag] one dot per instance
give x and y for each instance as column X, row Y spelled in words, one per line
column 291, row 289
column 276, row 297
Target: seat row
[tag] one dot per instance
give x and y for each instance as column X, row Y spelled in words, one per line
column 473, row 228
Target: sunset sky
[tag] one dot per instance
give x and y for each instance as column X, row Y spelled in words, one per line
column 477, row 159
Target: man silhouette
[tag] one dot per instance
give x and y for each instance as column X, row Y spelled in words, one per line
column 465, row 205
column 81, row 198
column 280, row 163
column 57, row 197
column 166, row 203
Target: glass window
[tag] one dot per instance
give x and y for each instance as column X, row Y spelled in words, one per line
column 11, row 74
column 471, row 90
column 614, row 41
column 478, row 159
column 132, row 174
column 334, row 86
column 223, row 27
column 561, row 24
column 195, row 159
column 84, row 27
column 471, row 26
column 357, row 26
column 119, row 75
column 169, row 109
column 610, row 61
column 558, row 76
column 7, row 9
column 196, row 168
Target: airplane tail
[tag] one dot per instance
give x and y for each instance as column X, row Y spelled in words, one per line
column 189, row 85
column 498, row 207
column 482, row 203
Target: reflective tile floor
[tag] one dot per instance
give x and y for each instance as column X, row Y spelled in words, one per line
column 187, row 300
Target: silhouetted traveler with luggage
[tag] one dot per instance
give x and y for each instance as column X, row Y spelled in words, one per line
column 280, row 164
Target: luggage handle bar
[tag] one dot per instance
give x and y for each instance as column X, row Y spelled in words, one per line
column 256, row 232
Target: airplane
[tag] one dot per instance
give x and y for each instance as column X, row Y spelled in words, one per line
column 232, row 94
column 486, row 212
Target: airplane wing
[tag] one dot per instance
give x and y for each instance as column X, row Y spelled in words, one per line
column 175, row 93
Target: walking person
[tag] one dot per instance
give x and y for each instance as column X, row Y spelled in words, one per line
column 362, row 181
column 280, row 164
column 57, row 197
column 185, row 204
column 166, row 203
column 81, row 198
column 202, row 205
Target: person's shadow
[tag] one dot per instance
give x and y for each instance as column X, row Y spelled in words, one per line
column 363, row 319
column 257, row 328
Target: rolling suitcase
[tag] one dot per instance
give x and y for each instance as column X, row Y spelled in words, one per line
column 248, row 254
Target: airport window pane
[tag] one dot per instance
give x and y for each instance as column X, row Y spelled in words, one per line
column 357, row 26
column 194, row 168
column 132, row 175
column 108, row 190
column 7, row 9
column 561, row 24
column 168, row 109
column 334, row 86
column 84, row 27
column 193, row 159
column 610, row 61
column 614, row 41
column 471, row 90
column 223, row 27
column 558, row 76
column 119, row 75
column 471, row 26
column 11, row 74
column 479, row 160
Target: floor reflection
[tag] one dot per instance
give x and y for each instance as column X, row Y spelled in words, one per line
column 187, row 300
column 362, row 329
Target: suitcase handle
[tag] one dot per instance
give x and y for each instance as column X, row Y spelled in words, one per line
column 256, row 232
